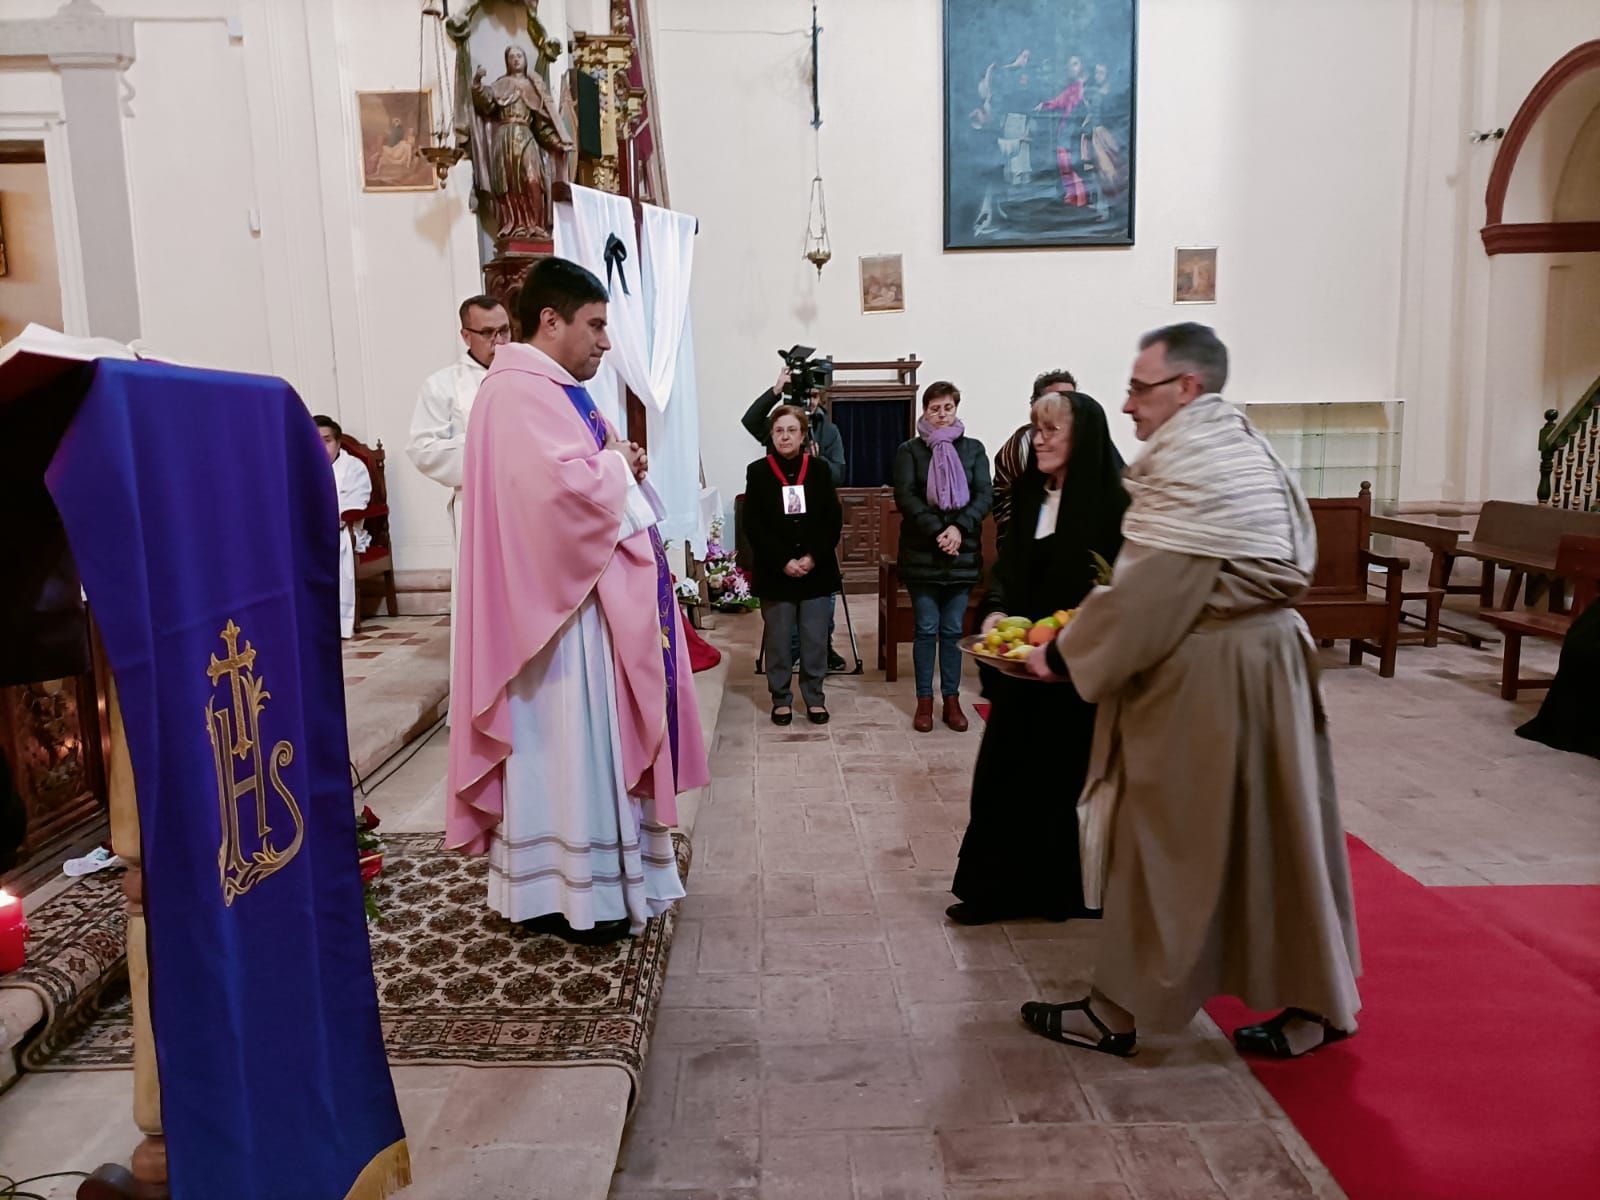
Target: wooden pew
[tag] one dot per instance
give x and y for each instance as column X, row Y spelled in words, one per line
column 1578, row 562
column 1339, row 604
column 1523, row 538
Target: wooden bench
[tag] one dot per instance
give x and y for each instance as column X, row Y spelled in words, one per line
column 896, row 621
column 1339, row 603
column 1577, row 561
column 1523, row 538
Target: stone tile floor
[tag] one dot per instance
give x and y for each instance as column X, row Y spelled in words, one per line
column 826, row 1033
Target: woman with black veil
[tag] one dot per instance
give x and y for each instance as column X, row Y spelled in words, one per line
column 1020, row 854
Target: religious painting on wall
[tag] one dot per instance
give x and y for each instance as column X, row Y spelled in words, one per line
column 1039, row 122
column 395, row 128
column 1194, row 275
column 883, row 288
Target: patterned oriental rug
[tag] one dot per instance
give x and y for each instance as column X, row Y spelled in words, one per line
column 457, row 984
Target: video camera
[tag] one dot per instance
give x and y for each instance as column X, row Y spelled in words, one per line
column 806, row 374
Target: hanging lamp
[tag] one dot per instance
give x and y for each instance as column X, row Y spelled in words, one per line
column 817, row 251
column 444, row 153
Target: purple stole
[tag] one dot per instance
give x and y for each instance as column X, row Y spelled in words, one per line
column 666, row 601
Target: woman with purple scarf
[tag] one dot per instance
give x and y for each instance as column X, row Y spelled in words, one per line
column 941, row 487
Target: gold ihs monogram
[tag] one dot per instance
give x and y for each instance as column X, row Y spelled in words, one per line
column 245, row 861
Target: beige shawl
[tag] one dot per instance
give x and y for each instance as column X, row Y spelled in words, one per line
column 1208, row 484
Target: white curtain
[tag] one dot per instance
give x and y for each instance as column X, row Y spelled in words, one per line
column 668, row 266
column 652, row 340
column 675, row 452
column 648, row 303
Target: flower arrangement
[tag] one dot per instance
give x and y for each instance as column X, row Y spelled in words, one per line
column 729, row 586
column 369, row 851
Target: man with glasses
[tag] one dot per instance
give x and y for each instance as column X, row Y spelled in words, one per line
column 438, row 443
column 1210, row 824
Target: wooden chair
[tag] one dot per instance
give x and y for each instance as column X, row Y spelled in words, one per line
column 375, row 564
column 1577, row 562
column 896, row 621
column 1339, row 604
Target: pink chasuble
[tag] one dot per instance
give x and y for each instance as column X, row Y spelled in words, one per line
column 541, row 510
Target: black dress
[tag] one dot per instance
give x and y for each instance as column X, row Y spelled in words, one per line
column 1569, row 718
column 1019, row 857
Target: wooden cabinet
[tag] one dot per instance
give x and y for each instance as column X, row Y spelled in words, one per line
column 858, row 545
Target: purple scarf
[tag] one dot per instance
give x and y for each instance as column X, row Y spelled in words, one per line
column 947, row 478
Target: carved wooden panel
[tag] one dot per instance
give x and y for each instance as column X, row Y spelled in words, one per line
column 858, row 546
column 50, row 732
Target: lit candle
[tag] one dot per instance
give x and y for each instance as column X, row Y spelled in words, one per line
column 13, row 933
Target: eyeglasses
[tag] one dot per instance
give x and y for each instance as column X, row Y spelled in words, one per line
column 1137, row 387
column 500, row 333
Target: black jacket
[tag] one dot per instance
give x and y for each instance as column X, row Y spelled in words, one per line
column 776, row 537
column 824, row 433
column 920, row 559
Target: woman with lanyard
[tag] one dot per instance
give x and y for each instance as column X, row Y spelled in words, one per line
column 793, row 520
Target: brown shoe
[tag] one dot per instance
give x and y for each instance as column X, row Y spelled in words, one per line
column 923, row 721
column 953, row 716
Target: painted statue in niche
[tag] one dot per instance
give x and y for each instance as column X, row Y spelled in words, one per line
column 1039, row 122
column 525, row 145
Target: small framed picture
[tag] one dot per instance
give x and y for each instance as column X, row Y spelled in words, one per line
column 883, row 285
column 1194, row 275
column 395, row 128
column 794, row 501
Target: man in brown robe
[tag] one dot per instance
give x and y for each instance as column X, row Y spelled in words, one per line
column 1210, row 796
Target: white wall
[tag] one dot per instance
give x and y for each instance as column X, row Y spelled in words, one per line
column 30, row 290
column 1273, row 130
column 1521, row 343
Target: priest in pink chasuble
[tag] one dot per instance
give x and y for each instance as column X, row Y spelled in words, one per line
column 577, row 725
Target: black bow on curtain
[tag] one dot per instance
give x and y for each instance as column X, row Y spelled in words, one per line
column 616, row 254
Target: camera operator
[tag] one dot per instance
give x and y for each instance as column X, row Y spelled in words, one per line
column 822, row 440
column 825, row 441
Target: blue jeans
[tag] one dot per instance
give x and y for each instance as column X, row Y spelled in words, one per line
column 940, row 610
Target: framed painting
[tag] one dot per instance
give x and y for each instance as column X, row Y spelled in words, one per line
column 1194, row 275
column 883, row 286
column 395, row 128
column 1039, row 122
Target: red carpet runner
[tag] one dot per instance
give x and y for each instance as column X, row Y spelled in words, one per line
column 1476, row 1074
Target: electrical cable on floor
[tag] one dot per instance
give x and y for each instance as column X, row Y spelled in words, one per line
column 361, row 784
column 9, row 1186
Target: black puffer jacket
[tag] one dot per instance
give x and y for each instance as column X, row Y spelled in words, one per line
column 920, row 559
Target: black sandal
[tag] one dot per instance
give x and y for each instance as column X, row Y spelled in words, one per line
column 1268, row 1041
column 1045, row 1020
column 779, row 718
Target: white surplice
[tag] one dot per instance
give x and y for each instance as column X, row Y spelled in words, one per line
column 354, row 485
column 571, row 839
column 438, row 442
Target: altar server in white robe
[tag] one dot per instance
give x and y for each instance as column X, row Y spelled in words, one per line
column 578, row 725
column 354, row 482
column 438, row 442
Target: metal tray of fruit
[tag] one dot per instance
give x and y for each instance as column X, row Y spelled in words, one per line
column 1007, row 647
